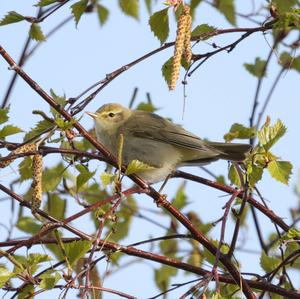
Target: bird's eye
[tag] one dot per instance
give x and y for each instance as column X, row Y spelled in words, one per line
column 111, row 114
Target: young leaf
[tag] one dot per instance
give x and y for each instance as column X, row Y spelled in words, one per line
column 56, row 206
column 78, row 9
column 25, row 169
column 103, row 13
column 202, row 29
column 180, row 198
column 258, row 69
column 5, row 275
column 268, row 263
column 136, row 166
column 233, row 176
column 130, row 7
column 289, row 62
column 159, row 24
column 27, row 292
column 269, row 135
column 227, row 8
column 4, row 115
column 163, row 276
column 254, row 174
column 52, row 177
column 284, row 5
column 167, row 70
column 84, row 176
column 43, row 3
column 36, row 32
column 77, row 249
column 149, row 107
column 292, row 233
column 9, row 130
column 37, row 258
column 48, row 280
column 11, row 17
column 194, row 4
column 107, row 178
column 28, row 225
column 240, row 132
column 148, row 4
column 41, row 127
column 280, row 170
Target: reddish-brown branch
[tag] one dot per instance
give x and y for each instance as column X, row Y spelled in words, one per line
column 269, row 213
column 132, row 251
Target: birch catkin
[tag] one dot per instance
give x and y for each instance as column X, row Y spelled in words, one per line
column 181, row 44
column 37, row 182
column 187, row 39
column 20, row 150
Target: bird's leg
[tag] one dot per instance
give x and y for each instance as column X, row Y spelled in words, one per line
column 165, row 182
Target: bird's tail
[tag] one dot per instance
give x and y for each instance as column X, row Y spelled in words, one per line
column 231, row 151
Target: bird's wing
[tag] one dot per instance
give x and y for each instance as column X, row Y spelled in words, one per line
column 152, row 126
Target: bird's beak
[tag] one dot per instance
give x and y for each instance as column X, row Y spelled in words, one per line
column 93, row 115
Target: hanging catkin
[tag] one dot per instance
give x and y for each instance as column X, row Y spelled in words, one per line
column 182, row 44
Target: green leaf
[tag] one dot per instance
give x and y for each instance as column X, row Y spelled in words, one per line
column 77, row 249
column 107, row 178
column 269, row 135
column 280, row 170
column 41, row 127
column 268, row 263
column 11, row 17
column 4, row 115
column 146, row 107
column 130, row 7
column 159, row 24
column 28, row 225
column 53, row 176
column 84, row 176
column 254, row 174
column 167, row 70
column 9, row 130
column 258, row 69
column 48, row 280
column 27, row 292
column 25, row 169
column 36, row 32
column 136, row 166
column 289, row 62
column 233, row 176
column 56, row 206
column 284, row 5
column 194, row 4
column 5, row 275
column 148, row 6
column 238, row 131
column 203, row 29
column 227, row 8
column 78, row 9
column 169, row 247
column 163, row 276
column 38, row 258
column 103, row 13
column 292, row 233
column 125, row 215
column 43, row 3
column 180, row 199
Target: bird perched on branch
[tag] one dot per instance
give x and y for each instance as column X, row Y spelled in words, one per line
column 157, row 142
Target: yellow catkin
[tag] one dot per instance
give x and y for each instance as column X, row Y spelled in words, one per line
column 20, row 150
column 37, row 182
column 187, row 40
column 178, row 49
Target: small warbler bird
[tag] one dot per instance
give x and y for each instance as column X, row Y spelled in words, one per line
column 158, row 142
